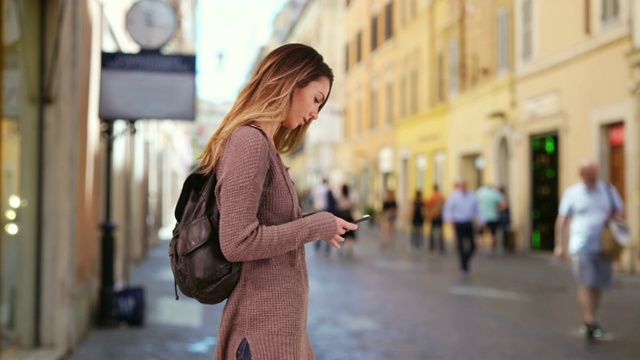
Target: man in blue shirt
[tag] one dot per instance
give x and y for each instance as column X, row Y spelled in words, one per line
column 461, row 209
column 586, row 206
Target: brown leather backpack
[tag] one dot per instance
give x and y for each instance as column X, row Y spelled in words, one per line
column 199, row 268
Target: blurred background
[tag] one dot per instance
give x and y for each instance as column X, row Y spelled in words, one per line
column 509, row 93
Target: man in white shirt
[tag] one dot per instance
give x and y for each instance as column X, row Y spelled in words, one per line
column 586, row 206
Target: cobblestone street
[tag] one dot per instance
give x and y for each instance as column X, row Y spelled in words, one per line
column 399, row 304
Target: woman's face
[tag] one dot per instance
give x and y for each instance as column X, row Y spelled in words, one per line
column 305, row 103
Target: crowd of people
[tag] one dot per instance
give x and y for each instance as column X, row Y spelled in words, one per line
column 483, row 218
column 475, row 216
column 262, row 226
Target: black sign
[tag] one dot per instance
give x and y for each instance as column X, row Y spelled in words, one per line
column 147, row 86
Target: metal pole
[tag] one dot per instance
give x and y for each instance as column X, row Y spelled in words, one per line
column 107, row 306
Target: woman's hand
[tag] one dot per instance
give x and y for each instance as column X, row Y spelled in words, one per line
column 342, row 226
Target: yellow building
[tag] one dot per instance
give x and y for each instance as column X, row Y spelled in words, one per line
column 572, row 102
column 372, row 93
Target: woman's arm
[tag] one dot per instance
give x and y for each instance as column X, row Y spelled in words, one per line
column 242, row 171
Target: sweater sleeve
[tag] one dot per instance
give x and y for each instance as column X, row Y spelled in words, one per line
column 241, row 175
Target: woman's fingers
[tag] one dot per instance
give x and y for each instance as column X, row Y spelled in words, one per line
column 335, row 242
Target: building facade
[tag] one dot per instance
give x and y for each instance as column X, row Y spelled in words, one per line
column 573, row 102
column 509, row 93
column 304, row 21
column 52, row 172
column 372, row 97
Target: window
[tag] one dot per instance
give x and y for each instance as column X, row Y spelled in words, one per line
column 389, row 106
column 527, row 30
column 610, row 11
column 346, row 58
column 403, row 97
column 421, row 171
column 374, row 108
column 438, row 168
column 388, row 21
column 374, row 33
column 587, row 17
column 413, row 106
column 359, row 47
column 359, row 119
column 503, row 40
column 346, row 129
column 453, row 67
column 440, row 77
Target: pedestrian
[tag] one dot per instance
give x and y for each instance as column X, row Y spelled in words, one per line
column 389, row 216
column 417, row 220
column 586, row 206
column 461, row 209
column 261, row 223
column 489, row 200
column 346, row 205
column 435, row 205
column 504, row 211
column 323, row 200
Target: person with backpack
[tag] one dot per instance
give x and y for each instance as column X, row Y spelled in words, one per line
column 260, row 222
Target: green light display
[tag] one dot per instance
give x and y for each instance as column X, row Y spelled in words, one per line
column 535, row 239
column 551, row 174
column 536, row 214
column 549, row 145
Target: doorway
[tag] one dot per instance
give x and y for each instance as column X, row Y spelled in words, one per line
column 472, row 170
column 544, row 180
column 616, row 157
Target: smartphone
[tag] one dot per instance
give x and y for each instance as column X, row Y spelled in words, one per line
column 363, row 218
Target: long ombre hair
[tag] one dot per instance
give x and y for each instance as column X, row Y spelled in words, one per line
column 267, row 98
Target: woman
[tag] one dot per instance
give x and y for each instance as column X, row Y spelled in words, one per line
column 266, row 314
column 389, row 214
column 417, row 220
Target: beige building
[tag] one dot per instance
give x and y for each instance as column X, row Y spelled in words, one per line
column 372, row 97
column 304, row 21
column 572, row 102
column 515, row 93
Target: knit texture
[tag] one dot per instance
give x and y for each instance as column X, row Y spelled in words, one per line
column 268, row 307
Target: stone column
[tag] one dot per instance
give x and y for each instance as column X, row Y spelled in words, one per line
column 631, row 260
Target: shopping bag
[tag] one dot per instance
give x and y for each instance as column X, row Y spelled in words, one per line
column 130, row 306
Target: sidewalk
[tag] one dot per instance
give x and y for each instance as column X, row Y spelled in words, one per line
column 381, row 305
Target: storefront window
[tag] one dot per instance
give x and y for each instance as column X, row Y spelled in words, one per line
column 10, row 201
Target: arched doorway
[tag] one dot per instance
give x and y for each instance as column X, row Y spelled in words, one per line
column 503, row 178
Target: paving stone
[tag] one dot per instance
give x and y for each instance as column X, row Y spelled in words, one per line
column 399, row 304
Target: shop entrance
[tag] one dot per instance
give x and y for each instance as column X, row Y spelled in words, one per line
column 544, row 180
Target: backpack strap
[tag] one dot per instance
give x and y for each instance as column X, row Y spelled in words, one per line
column 268, row 177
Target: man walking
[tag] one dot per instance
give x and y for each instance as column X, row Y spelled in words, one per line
column 461, row 209
column 489, row 200
column 435, row 205
column 587, row 206
column 323, row 200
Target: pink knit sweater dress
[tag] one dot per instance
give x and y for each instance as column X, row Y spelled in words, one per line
column 268, row 307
